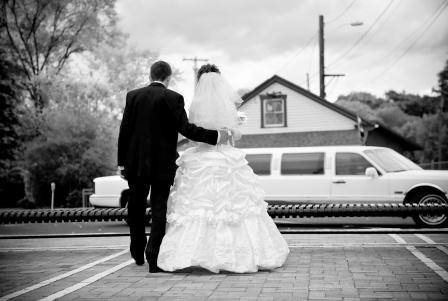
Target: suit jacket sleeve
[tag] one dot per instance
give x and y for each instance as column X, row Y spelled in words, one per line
column 124, row 134
column 188, row 129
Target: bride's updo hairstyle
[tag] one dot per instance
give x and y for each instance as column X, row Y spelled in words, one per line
column 206, row 69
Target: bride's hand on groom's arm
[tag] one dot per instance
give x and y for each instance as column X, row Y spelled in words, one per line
column 225, row 136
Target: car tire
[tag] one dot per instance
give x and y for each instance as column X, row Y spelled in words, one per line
column 430, row 221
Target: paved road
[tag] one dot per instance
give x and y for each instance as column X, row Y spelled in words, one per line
column 320, row 267
column 121, row 227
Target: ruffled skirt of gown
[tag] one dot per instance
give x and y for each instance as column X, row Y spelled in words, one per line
column 217, row 218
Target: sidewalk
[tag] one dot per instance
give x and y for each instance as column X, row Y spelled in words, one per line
column 320, row 267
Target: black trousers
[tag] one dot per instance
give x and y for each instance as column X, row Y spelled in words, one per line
column 139, row 189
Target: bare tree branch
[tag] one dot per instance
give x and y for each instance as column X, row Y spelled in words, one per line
column 23, row 61
column 21, row 34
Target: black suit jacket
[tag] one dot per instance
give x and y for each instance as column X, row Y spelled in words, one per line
column 147, row 142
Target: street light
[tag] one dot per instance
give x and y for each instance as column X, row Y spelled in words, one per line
column 53, row 188
column 356, row 23
column 322, row 74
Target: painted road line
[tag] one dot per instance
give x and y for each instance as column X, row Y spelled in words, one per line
column 86, row 282
column 429, row 263
column 361, row 245
column 398, row 238
column 74, row 248
column 432, row 242
column 59, row 277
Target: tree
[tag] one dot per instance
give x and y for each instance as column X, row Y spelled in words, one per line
column 393, row 116
column 362, row 97
column 78, row 134
column 75, row 147
column 41, row 35
column 10, row 141
column 425, row 131
column 443, row 86
column 359, row 108
column 413, row 104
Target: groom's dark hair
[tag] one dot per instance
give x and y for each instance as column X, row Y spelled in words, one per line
column 160, row 70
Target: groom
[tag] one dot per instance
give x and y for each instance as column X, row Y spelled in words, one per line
column 147, row 153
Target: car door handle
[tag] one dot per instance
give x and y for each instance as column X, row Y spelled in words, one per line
column 339, row 182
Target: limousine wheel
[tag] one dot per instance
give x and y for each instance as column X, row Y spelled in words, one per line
column 430, row 220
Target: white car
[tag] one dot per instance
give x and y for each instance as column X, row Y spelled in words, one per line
column 325, row 174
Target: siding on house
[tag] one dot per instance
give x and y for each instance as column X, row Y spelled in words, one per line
column 303, row 114
column 350, row 137
column 311, row 121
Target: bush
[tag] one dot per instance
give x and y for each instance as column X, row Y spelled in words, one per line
column 74, row 199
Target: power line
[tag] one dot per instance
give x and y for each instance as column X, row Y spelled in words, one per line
column 311, row 57
column 362, row 36
column 416, row 39
column 413, row 34
column 374, row 32
column 408, row 38
column 382, row 24
column 333, row 87
column 298, row 52
column 343, row 12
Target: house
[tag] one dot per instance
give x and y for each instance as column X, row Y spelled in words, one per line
column 282, row 114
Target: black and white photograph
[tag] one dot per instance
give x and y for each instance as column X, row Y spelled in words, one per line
column 224, row 150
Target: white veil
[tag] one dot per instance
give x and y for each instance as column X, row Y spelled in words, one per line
column 214, row 103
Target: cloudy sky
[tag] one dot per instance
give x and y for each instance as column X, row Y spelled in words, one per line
column 402, row 44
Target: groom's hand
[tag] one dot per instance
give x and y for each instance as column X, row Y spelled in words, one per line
column 120, row 171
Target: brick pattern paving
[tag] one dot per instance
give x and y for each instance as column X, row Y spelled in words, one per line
column 313, row 273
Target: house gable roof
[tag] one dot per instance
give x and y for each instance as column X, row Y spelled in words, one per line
column 277, row 79
column 349, row 114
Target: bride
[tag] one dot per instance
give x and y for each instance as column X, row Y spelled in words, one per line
column 217, row 218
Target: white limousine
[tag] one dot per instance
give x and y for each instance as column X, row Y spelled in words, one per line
column 326, row 174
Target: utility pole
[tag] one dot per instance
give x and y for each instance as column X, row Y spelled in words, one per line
column 195, row 61
column 322, row 74
column 308, row 81
column 321, row 57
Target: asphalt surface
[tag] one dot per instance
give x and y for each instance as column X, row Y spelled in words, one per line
column 121, row 227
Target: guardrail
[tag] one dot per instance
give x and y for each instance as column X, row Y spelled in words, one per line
column 14, row 216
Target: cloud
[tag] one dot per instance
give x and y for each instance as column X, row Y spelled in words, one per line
column 252, row 39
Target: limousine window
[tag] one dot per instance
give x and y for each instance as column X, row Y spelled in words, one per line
column 351, row 164
column 260, row 163
column 303, row 164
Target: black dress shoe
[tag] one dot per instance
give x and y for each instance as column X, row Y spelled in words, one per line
column 139, row 260
column 155, row 269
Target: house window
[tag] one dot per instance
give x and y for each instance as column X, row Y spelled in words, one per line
column 273, row 110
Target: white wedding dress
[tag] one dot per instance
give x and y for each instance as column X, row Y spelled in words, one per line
column 216, row 215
